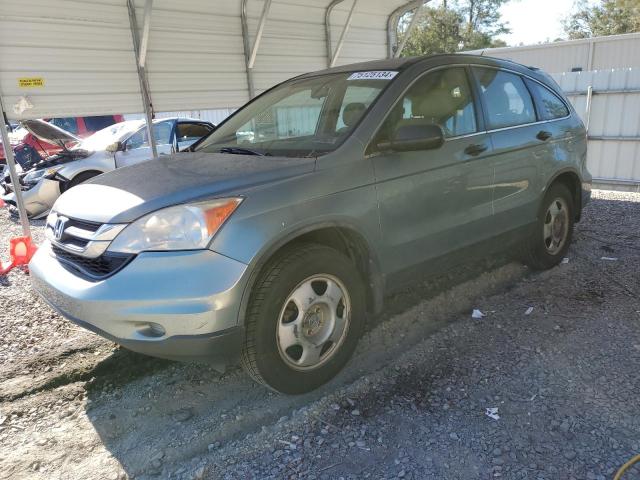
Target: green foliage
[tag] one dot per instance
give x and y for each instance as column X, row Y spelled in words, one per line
column 610, row 17
column 455, row 26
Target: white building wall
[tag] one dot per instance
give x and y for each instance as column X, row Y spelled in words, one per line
column 600, row 53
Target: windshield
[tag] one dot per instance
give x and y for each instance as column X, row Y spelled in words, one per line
column 306, row 117
column 114, row 133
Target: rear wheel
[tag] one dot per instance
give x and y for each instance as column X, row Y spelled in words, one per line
column 551, row 238
column 304, row 319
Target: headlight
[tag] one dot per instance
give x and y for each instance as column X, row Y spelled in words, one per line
column 33, row 177
column 183, row 227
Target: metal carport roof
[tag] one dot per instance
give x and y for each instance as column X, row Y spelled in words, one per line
column 81, row 52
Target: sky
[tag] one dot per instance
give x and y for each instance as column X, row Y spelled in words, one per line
column 535, row 21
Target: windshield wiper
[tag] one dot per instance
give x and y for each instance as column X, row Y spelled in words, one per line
column 240, row 151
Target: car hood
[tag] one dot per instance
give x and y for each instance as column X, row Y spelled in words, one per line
column 49, row 133
column 128, row 193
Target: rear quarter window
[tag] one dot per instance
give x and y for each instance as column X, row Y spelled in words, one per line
column 550, row 105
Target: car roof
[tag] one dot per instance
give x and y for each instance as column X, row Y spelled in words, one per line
column 180, row 119
column 401, row 64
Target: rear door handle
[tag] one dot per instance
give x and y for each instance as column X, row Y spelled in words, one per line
column 544, row 135
column 475, row 149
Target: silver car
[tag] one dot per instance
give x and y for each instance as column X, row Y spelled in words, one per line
column 278, row 237
column 119, row 145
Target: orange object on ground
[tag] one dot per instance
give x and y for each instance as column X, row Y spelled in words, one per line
column 21, row 249
column 2, row 204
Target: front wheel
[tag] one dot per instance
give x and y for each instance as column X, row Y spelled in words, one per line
column 304, row 319
column 551, row 237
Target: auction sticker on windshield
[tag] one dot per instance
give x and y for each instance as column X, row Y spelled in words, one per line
column 374, row 75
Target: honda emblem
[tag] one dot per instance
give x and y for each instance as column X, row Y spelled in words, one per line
column 58, row 228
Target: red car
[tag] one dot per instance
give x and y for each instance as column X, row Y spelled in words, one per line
column 80, row 126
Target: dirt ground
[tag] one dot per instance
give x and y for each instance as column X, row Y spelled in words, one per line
column 557, row 357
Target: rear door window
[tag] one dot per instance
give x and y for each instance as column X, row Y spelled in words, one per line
column 161, row 132
column 550, row 106
column 188, row 133
column 507, row 101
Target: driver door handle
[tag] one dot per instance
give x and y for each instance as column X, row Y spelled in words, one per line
column 475, row 149
column 544, row 135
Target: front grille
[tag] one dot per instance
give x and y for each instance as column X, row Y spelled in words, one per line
column 92, row 268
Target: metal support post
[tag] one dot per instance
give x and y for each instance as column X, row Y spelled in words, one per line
column 407, row 33
column 250, row 53
column 140, row 52
column 333, row 58
column 588, row 108
column 393, row 20
column 15, row 181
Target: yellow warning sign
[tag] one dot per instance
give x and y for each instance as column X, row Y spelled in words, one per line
column 31, row 82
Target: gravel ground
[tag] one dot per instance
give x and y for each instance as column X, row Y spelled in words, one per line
column 557, row 354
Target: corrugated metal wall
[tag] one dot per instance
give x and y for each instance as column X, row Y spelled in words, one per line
column 614, row 121
column 83, row 51
column 600, row 53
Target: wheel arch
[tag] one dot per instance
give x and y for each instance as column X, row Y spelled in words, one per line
column 341, row 236
column 65, row 186
column 571, row 179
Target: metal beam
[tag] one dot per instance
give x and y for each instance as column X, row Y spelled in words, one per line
column 407, row 34
column 247, row 49
column 250, row 53
column 333, row 58
column 146, row 26
column 258, row 39
column 142, row 74
column 15, row 181
column 392, row 23
column 327, row 29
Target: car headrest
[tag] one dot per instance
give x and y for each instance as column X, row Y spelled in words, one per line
column 352, row 113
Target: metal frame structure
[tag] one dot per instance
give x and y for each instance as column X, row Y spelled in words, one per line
column 140, row 51
column 414, row 21
column 394, row 20
column 332, row 55
column 15, row 181
column 250, row 53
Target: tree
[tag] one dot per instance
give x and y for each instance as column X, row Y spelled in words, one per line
column 457, row 25
column 437, row 31
column 610, row 17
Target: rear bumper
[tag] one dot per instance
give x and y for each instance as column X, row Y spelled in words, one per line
column 176, row 305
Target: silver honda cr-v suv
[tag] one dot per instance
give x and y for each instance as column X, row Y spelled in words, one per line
column 278, row 236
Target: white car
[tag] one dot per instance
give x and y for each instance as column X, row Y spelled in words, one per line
column 119, row 145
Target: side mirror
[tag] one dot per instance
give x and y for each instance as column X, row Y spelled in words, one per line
column 115, row 147
column 411, row 138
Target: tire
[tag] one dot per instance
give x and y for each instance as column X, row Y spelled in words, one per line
column 297, row 338
column 550, row 239
column 81, row 178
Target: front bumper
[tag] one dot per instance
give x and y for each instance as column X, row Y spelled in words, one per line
column 38, row 199
column 176, row 305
